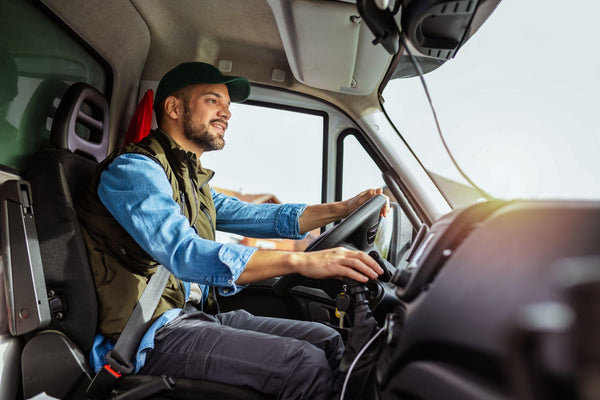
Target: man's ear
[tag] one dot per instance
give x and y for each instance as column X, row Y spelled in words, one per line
column 172, row 107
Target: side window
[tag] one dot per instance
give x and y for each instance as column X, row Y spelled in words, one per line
column 270, row 155
column 39, row 59
column 359, row 172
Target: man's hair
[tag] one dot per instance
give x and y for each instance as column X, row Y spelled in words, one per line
column 183, row 94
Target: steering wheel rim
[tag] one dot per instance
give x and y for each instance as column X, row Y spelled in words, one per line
column 357, row 232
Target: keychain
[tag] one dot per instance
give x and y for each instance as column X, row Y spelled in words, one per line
column 342, row 302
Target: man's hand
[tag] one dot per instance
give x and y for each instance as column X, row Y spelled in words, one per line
column 330, row 263
column 361, row 198
column 322, row 214
column 338, row 263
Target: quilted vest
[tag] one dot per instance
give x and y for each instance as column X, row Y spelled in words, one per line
column 120, row 267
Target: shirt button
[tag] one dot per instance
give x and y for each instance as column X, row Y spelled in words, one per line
column 229, row 281
column 225, row 290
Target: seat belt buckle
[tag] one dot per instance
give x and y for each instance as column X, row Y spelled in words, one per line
column 118, row 364
column 102, row 383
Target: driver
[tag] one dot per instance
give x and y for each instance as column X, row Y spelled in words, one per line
column 151, row 203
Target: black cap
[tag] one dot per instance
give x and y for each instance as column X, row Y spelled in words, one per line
column 190, row 73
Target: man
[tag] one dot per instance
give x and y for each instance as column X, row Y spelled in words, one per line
column 150, row 203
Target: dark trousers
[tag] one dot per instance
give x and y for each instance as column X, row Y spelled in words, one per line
column 286, row 359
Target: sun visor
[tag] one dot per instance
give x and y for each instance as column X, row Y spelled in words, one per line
column 328, row 46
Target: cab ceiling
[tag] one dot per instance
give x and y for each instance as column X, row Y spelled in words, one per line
column 142, row 39
column 322, row 44
column 240, row 31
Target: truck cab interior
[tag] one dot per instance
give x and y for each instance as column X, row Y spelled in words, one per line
column 483, row 298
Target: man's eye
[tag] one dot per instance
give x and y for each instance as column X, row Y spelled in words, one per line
column 212, row 101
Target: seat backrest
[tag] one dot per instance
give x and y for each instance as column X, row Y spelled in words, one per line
column 58, row 176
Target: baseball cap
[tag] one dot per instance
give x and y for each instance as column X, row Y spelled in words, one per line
column 190, row 73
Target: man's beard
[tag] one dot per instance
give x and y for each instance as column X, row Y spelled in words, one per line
column 199, row 134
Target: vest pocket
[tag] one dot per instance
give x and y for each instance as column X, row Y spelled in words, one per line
column 135, row 259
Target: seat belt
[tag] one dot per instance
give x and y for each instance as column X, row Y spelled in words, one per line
column 118, row 360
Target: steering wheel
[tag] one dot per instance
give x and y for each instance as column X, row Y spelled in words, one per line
column 355, row 232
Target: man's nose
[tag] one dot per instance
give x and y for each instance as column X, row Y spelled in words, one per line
column 224, row 113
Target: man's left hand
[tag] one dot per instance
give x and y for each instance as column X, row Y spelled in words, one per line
column 361, row 198
column 323, row 214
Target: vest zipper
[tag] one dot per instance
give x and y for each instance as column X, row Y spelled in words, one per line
column 182, row 205
column 205, row 211
column 190, row 168
column 201, row 206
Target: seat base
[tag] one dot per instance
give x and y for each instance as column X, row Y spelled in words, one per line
column 52, row 363
column 192, row 389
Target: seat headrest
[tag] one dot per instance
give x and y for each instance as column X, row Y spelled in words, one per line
column 82, row 109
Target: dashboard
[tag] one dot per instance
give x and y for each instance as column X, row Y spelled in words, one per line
column 466, row 288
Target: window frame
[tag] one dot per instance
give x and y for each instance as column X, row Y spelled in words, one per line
column 103, row 63
column 325, row 146
column 389, row 176
column 86, row 46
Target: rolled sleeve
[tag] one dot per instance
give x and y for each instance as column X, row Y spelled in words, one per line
column 287, row 222
column 236, row 257
column 258, row 220
column 136, row 191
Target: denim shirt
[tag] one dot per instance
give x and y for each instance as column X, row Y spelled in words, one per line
column 137, row 193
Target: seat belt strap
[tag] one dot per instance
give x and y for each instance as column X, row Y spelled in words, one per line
column 121, row 356
column 119, row 359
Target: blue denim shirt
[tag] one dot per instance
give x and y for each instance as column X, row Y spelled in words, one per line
column 137, row 193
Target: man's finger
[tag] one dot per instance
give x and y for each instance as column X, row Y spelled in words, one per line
column 370, row 262
column 353, row 274
column 364, row 264
column 386, row 208
column 359, row 266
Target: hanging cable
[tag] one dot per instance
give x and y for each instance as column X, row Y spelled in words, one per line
column 419, row 71
column 360, row 353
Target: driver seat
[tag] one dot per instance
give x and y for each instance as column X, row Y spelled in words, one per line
column 55, row 359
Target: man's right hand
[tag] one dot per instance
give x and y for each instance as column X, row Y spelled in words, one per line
column 338, row 262
column 330, row 263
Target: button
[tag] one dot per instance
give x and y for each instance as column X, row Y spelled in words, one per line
column 229, row 281
column 225, row 290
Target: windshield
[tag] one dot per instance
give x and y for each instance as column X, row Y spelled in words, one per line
column 518, row 106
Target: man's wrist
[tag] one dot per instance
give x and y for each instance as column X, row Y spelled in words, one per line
column 320, row 215
column 337, row 210
column 294, row 262
column 344, row 209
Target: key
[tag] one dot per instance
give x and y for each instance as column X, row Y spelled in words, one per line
column 342, row 302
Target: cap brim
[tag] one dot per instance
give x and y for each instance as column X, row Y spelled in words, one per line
column 239, row 88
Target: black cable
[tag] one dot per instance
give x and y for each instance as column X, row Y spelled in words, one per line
column 358, row 356
column 419, row 71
